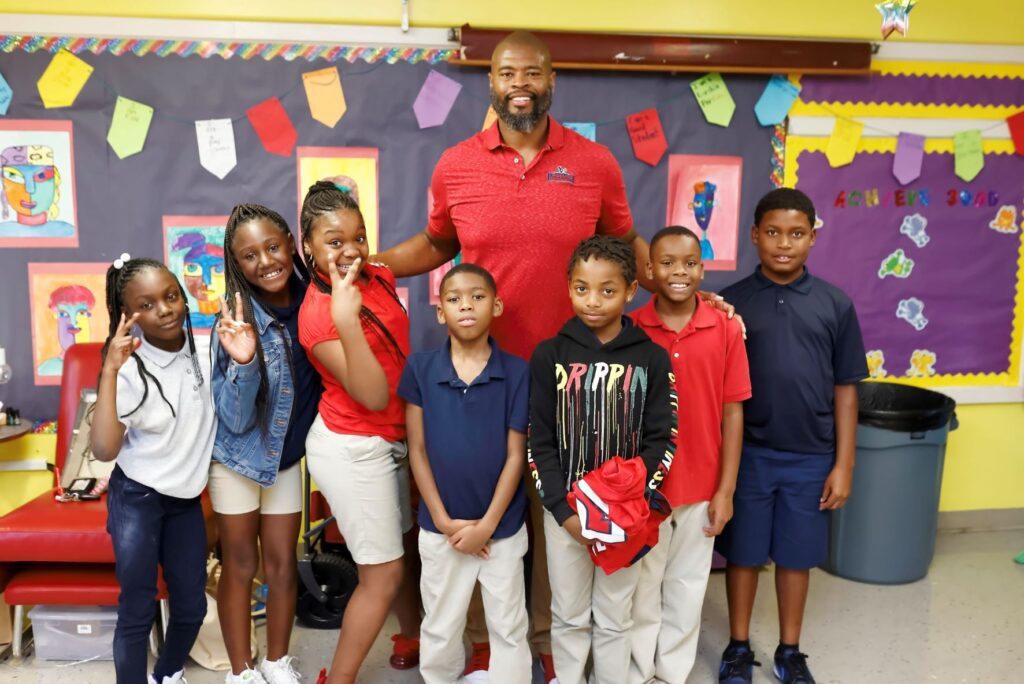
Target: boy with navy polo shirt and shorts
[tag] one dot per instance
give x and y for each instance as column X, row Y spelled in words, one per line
column 806, row 355
column 467, row 414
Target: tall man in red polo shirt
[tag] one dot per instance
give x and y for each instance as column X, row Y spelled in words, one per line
column 517, row 198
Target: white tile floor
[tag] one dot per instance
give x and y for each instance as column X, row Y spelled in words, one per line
column 962, row 623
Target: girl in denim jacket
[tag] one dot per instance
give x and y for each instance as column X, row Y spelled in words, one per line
column 265, row 408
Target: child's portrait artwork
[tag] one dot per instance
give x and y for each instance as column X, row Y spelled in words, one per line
column 352, row 169
column 194, row 251
column 704, row 196
column 67, row 307
column 37, row 202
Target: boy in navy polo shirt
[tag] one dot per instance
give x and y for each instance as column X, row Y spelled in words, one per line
column 466, row 417
column 806, row 356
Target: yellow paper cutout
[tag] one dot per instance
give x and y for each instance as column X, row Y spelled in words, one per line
column 325, row 95
column 842, row 146
column 129, row 127
column 63, row 80
column 491, row 117
column 797, row 144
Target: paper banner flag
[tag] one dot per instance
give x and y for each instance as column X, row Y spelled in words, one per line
column 906, row 163
column 586, row 129
column 5, row 96
column 273, row 126
column 216, row 139
column 325, row 96
column 490, row 118
column 63, row 80
column 775, row 102
column 714, row 99
column 1016, row 125
column 968, row 157
column 842, row 146
column 435, row 100
column 648, row 139
column 129, row 127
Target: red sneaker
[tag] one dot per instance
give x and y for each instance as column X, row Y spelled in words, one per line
column 549, row 668
column 479, row 663
column 406, row 652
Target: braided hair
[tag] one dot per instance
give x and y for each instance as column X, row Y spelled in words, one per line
column 117, row 281
column 235, row 282
column 324, row 198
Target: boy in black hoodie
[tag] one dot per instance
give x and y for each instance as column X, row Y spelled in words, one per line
column 600, row 388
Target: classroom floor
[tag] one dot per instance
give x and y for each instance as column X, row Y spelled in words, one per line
column 962, row 623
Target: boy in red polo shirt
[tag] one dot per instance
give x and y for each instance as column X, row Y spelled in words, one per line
column 712, row 380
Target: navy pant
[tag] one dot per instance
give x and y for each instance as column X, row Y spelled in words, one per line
column 149, row 528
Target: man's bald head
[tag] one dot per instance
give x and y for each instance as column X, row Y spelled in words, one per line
column 522, row 39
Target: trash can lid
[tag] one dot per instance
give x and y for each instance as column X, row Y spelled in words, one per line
column 903, row 408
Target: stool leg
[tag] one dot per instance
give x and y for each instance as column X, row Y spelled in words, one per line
column 17, row 631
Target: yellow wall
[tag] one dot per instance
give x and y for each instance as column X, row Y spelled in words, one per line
column 944, row 21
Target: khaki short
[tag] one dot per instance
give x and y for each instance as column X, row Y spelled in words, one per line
column 366, row 482
column 234, row 494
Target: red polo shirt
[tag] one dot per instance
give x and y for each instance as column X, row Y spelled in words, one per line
column 342, row 413
column 522, row 224
column 709, row 360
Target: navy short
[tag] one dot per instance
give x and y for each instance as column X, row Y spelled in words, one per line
column 775, row 510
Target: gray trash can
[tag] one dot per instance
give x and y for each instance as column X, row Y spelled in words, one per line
column 886, row 532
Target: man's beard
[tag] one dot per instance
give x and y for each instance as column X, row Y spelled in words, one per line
column 527, row 121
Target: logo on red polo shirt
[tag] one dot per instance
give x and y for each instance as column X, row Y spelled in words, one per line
column 561, row 175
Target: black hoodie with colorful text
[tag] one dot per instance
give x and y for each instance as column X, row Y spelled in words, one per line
column 591, row 401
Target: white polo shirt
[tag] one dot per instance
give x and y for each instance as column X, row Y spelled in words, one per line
column 170, row 453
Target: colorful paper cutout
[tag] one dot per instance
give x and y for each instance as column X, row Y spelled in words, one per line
column 912, row 311
column 216, row 140
column 67, row 305
column 5, row 95
column 37, row 197
column 1016, row 125
column 63, row 80
column 906, row 163
column 489, row 118
column 587, row 129
column 922, row 364
column 644, row 128
column 896, row 264
column 435, row 100
column 272, row 125
column 194, row 252
column 775, row 102
column 969, row 159
column 714, row 99
column 1005, row 220
column 914, row 226
column 354, row 168
column 325, row 95
column 842, row 146
column 129, row 127
column 895, row 16
column 876, row 364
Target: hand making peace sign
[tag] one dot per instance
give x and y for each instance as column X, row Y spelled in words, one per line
column 235, row 335
column 346, row 299
column 122, row 345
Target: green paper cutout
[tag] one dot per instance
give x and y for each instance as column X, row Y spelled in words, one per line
column 714, row 99
column 896, row 264
column 968, row 156
column 129, row 127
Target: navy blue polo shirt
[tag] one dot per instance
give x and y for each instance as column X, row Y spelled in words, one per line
column 466, row 428
column 803, row 339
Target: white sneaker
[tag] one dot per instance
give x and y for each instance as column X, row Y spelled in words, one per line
column 247, row 676
column 280, row 671
column 476, row 677
column 176, row 678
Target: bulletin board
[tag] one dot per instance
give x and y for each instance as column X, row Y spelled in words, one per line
column 187, row 170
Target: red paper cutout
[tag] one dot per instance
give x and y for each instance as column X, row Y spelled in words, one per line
column 1016, row 125
column 648, row 138
column 273, row 127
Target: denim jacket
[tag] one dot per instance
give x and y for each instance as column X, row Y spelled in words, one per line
column 240, row 444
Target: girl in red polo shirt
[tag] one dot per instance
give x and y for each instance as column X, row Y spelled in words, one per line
column 356, row 450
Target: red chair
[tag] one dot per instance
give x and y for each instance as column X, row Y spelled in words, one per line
column 60, row 553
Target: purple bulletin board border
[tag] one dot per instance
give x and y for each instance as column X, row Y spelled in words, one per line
column 796, row 145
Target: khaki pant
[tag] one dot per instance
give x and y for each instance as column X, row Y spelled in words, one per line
column 669, row 598
column 446, row 583
column 540, row 587
column 591, row 612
